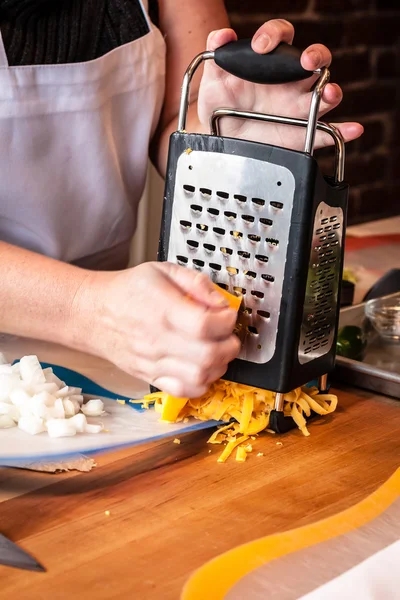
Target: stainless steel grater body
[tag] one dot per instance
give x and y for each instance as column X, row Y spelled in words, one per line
column 263, row 222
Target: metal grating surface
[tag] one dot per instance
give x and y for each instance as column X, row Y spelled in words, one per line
column 319, row 315
column 231, row 219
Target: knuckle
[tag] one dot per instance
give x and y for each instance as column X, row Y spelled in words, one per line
column 209, row 356
column 201, row 326
column 199, row 377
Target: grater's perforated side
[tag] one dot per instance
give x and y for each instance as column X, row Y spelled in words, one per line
column 231, row 218
column 321, row 299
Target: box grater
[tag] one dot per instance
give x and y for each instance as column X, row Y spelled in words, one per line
column 262, row 221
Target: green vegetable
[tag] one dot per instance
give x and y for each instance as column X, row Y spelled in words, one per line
column 351, row 342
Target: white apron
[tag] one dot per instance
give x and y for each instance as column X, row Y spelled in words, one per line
column 73, row 151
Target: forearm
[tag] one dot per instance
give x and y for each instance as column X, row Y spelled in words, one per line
column 159, row 153
column 38, row 297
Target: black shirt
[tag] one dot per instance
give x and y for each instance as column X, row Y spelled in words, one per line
column 68, row 31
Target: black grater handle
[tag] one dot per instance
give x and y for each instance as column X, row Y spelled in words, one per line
column 281, row 65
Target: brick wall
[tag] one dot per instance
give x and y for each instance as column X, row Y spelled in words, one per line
column 364, row 37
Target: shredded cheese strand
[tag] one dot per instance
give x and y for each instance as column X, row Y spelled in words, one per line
column 245, row 409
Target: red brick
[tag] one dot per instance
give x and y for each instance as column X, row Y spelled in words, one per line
column 272, row 6
column 387, row 5
column 360, row 170
column 327, row 6
column 376, row 203
column 373, row 98
column 387, row 64
column 373, row 136
column 350, row 66
column 372, row 30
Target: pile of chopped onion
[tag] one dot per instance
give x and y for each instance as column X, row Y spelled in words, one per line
column 37, row 401
column 245, row 409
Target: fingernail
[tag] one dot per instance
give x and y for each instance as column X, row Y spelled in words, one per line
column 261, row 42
column 315, row 57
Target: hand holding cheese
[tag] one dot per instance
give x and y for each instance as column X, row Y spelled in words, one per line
column 163, row 323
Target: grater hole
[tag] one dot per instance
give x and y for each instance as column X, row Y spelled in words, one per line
column 268, row 278
column 213, row 211
column 240, row 198
column 329, row 253
column 219, row 231
column 244, row 254
column 239, row 290
column 192, row 243
column 189, row 189
column 279, row 183
column 182, row 260
column 277, row 205
column 223, row 286
column 201, row 227
column 209, row 247
column 230, row 215
column 250, row 274
column 205, row 192
column 186, row 225
column 257, row 294
column 336, row 226
column 223, row 195
column 236, row 234
column 266, row 222
column 319, row 231
column 232, row 271
column 307, row 351
column 226, row 251
column 326, row 245
column 264, row 314
column 198, row 263
column 331, row 236
column 332, row 260
column 324, row 221
column 196, row 208
column 258, row 202
column 216, row 267
column 262, row 258
column 254, row 238
column 322, row 238
column 333, row 219
column 248, row 218
column 252, row 330
column 328, row 228
column 272, row 242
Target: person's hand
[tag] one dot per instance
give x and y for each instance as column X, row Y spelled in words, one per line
column 144, row 321
column 219, row 89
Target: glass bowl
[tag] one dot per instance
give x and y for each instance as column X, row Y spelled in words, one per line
column 384, row 314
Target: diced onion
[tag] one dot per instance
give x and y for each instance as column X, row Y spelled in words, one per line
column 37, row 401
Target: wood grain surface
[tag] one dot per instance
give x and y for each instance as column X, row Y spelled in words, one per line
column 173, row 507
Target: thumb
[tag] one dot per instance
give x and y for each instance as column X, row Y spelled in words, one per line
column 194, row 284
column 215, row 40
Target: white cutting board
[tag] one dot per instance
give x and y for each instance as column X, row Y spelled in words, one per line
column 125, row 425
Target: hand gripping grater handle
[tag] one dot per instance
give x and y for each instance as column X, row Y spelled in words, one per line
column 281, row 65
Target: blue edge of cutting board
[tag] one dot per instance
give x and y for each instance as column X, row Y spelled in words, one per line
column 74, row 379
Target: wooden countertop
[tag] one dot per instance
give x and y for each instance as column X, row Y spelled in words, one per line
column 173, row 507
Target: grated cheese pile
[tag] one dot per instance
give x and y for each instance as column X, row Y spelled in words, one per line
column 245, row 409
